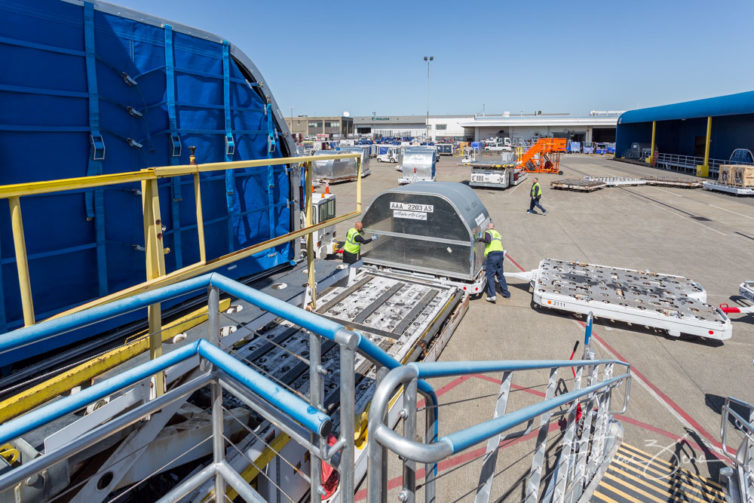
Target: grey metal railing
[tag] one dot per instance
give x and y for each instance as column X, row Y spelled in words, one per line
column 742, row 487
column 586, row 445
column 688, row 163
column 300, row 417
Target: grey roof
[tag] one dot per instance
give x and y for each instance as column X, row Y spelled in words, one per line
column 462, row 197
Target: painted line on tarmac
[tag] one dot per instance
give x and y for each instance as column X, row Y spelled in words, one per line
column 675, row 409
column 731, row 211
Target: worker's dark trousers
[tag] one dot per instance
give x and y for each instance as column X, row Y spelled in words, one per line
column 494, row 266
column 535, row 202
column 350, row 258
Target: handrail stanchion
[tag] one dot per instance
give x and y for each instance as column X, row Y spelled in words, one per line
column 218, row 440
column 408, row 494
column 430, row 427
column 155, row 267
column 312, row 278
column 22, row 261
column 315, row 399
column 213, row 315
column 199, row 214
column 535, row 474
column 347, row 342
column 377, row 456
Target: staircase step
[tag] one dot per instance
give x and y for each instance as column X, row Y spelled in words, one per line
column 634, row 475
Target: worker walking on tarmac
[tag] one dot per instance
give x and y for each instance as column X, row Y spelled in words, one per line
column 494, row 253
column 536, row 194
column 354, row 239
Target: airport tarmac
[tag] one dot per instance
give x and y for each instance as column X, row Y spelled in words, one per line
column 678, row 385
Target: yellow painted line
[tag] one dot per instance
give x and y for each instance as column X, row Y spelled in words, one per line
column 674, row 477
column 39, row 394
column 633, row 488
column 653, row 458
column 603, row 497
column 620, row 493
column 670, row 483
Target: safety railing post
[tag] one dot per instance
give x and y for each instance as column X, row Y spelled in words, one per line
column 535, row 473
column 565, row 460
column 213, row 315
column 600, row 431
column 218, row 439
column 199, row 219
column 430, row 420
column 155, row 268
column 583, row 441
column 22, row 260
column 312, row 279
column 347, row 419
column 315, row 398
column 408, row 493
column 487, row 473
column 377, row 459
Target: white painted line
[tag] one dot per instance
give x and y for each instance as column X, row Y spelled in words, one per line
column 731, row 211
column 667, row 191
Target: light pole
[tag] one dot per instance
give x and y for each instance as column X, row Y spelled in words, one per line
column 428, row 59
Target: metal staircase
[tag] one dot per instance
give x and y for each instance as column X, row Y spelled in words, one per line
column 636, row 475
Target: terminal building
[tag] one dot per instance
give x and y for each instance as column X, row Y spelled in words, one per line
column 593, row 127
column 693, row 136
column 334, row 126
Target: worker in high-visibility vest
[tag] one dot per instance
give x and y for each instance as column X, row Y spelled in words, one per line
column 354, row 239
column 494, row 253
column 536, row 195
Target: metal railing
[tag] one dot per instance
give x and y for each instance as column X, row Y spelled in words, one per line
column 279, row 408
column 742, row 490
column 585, row 446
column 688, row 163
column 156, row 274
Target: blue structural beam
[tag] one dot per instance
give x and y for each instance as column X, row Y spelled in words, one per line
column 312, row 419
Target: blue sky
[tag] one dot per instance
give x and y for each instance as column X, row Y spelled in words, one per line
column 324, row 58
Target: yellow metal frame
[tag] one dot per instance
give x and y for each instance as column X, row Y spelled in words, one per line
column 703, row 170
column 156, row 275
column 651, row 158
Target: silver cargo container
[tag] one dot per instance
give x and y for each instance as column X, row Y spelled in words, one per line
column 429, row 228
column 364, row 151
column 418, row 164
column 334, row 170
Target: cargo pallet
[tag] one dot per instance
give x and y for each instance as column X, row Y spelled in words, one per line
column 662, row 301
column 730, row 189
column 578, row 185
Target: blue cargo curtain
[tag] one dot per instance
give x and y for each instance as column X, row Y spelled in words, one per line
column 175, row 146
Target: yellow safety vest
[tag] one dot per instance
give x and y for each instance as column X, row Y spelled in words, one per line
column 495, row 244
column 351, row 245
column 536, row 190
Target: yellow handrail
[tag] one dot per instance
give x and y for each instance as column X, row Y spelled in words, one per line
column 156, row 274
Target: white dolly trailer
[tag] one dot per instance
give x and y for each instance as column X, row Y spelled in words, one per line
column 675, row 304
column 746, row 290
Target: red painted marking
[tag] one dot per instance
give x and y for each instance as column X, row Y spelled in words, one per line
column 515, row 263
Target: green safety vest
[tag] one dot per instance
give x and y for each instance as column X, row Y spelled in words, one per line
column 351, row 245
column 536, row 190
column 495, row 244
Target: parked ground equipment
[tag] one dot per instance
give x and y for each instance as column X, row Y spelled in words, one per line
column 746, row 291
column 674, row 304
column 498, row 174
column 335, row 170
column 543, row 156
